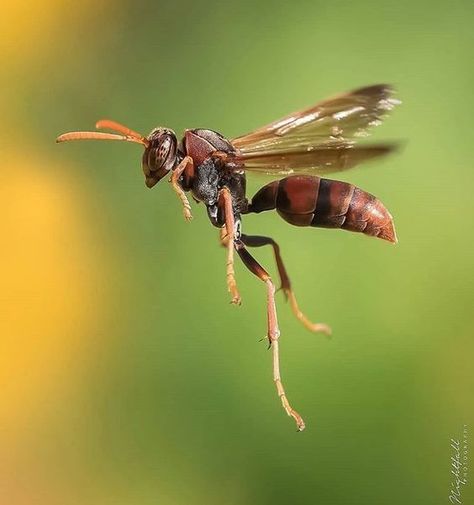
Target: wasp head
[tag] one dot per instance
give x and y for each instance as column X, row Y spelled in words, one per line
column 161, row 146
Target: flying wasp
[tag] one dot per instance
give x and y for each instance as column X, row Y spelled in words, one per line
column 319, row 140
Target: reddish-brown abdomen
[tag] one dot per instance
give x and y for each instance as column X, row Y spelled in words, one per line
column 368, row 215
column 312, row 201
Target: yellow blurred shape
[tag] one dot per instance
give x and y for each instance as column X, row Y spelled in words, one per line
column 28, row 27
column 48, row 279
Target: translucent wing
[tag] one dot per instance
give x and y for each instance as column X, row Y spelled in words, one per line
column 331, row 124
column 322, row 160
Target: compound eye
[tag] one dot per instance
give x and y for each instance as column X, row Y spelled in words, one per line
column 160, row 156
column 163, row 154
column 164, row 150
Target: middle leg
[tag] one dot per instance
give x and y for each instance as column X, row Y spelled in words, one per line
column 227, row 240
column 259, row 241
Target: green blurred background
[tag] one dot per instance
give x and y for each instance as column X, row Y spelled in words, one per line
column 127, row 377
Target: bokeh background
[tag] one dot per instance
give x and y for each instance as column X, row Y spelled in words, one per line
column 126, row 377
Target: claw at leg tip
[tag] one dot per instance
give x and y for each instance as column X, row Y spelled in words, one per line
column 236, row 300
column 322, row 328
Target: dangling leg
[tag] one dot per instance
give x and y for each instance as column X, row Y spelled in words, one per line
column 177, row 172
column 273, row 330
column 258, row 241
column 227, row 239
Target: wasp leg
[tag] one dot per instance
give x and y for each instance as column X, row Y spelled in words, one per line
column 273, row 331
column 227, row 239
column 177, row 172
column 258, row 241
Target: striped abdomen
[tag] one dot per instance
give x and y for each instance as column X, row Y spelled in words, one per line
column 311, row 201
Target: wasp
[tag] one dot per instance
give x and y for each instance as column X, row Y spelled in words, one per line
column 296, row 150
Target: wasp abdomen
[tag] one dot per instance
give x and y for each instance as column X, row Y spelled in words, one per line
column 324, row 203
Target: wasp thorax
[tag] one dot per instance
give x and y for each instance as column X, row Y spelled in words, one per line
column 160, row 156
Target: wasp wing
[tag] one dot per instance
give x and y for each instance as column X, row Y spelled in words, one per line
column 322, row 160
column 341, row 119
column 321, row 138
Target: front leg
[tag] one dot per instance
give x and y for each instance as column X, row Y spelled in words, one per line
column 228, row 239
column 186, row 164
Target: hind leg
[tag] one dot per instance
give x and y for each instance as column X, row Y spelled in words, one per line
column 259, row 241
column 273, row 331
